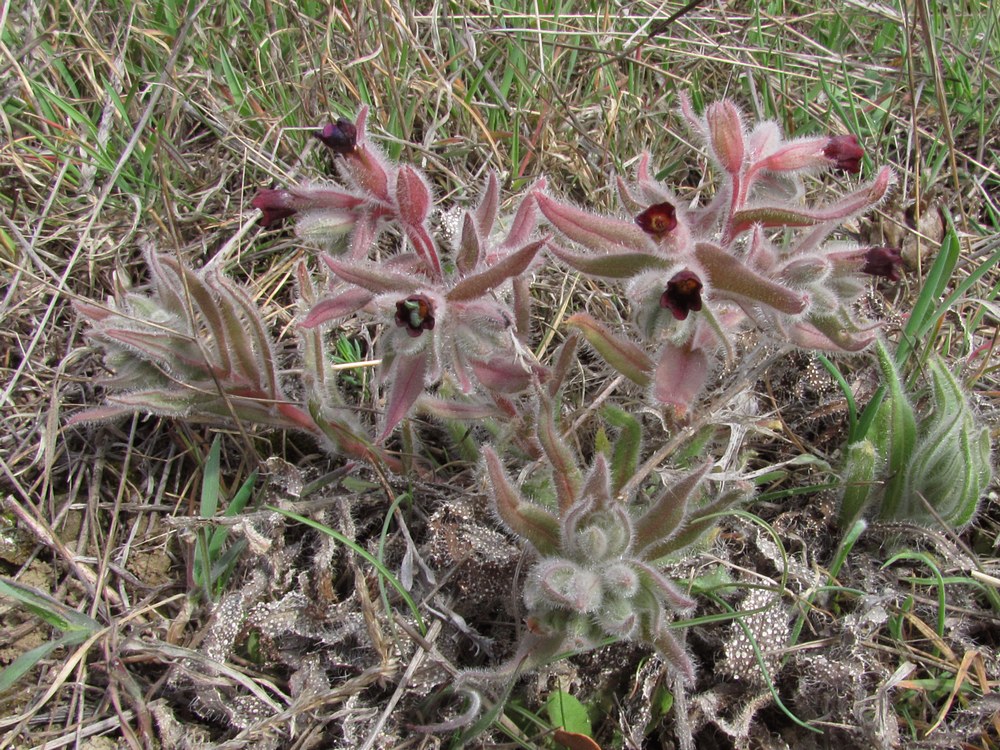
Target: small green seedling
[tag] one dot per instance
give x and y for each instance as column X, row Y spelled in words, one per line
column 213, row 561
column 75, row 627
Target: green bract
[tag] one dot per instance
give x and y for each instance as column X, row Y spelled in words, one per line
column 918, row 470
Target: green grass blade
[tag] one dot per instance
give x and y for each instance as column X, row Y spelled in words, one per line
column 48, row 609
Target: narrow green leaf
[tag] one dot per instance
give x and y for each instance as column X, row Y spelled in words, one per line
column 625, row 458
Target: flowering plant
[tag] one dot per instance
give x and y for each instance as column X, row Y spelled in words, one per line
column 696, row 275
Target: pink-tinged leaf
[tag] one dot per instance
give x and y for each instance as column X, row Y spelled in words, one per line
column 801, row 153
column 203, row 301
column 376, row 279
column 412, row 196
column 475, row 286
column 366, row 168
column 460, row 410
column 505, row 375
column 469, row 247
column 93, row 313
column 680, row 376
column 424, row 245
column 565, row 358
column 730, row 277
column 346, row 441
column 665, row 588
column 565, row 473
column 312, row 197
column 624, row 356
column 596, row 486
column 666, row 514
column 338, row 306
column 527, row 520
column 525, row 219
column 408, row 380
column 260, row 338
column 98, row 415
column 673, row 653
column 486, row 211
column 361, row 123
column 698, row 523
column 781, row 216
column 631, row 204
column 248, row 343
column 620, row 265
column 602, row 234
column 694, row 122
column 827, row 333
column 725, row 131
column 363, row 237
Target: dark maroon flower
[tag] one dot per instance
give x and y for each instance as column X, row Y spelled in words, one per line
column 883, row 261
column 845, row 152
column 274, row 204
column 683, row 294
column 341, row 137
column 658, row 220
column 415, row 314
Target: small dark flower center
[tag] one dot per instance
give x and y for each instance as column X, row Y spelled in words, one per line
column 341, row 137
column 274, row 205
column 658, row 220
column 683, row 294
column 845, row 152
column 883, row 261
column 415, row 314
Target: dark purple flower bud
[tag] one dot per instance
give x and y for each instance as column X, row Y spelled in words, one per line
column 658, row 220
column 274, row 204
column 415, row 314
column 883, row 261
column 341, row 137
column 683, row 294
column 845, row 152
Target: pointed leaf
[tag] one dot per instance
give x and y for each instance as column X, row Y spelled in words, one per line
column 335, row 307
column 698, row 523
column 475, row 286
column 527, row 520
column 486, row 211
column 731, row 277
column 783, row 216
column 665, row 515
column 423, row 243
column 409, row 372
column 203, row 301
column 622, row 355
column 565, row 472
column 505, row 374
column 603, row 234
column 673, row 653
column 412, row 196
column 469, row 249
column 371, row 277
column 621, row 265
column 525, row 220
column 625, row 457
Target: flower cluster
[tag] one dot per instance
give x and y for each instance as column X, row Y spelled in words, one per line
column 696, row 275
column 442, row 319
